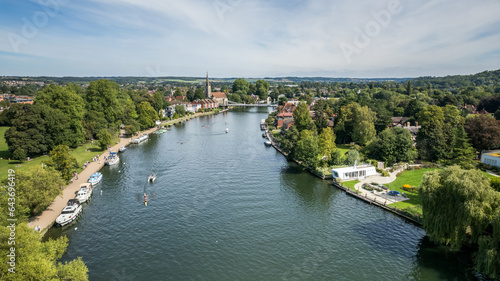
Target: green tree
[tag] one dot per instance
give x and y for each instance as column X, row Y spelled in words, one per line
column 262, row 89
column 71, row 104
column 104, row 138
column 353, row 157
column 302, row 117
column 431, row 141
column 456, row 202
column 147, row 115
column 158, row 101
column 392, row 146
column 63, row 162
column 326, row 143
column 180, row 110
column 37, row 260
column 101, row 98
column 483, row 131
column 356, row 123
column 289, row 141
column 307, row 149
column 240, row 85
column 199, row 94
column 459, row 206
column 463, row 152
column 35, row 129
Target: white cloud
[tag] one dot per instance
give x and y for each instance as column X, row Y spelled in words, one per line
column 262, row 38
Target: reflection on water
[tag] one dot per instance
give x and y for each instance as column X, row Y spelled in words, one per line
column 227, row 207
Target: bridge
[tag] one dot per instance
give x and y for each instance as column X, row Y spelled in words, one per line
column 232, row 103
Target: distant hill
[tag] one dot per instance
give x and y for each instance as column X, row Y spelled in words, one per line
column 486, row 78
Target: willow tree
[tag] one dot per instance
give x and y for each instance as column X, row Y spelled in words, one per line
column 459, row 206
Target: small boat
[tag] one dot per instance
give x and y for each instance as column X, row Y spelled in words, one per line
column 72, row 210
column 145, row 199
column 152, row 178
column 95, row 178
column 264, row 135
column 263, row 124
column 83, row 195
column 268, row 143
column 227, row 130
column 113, row 159
column 122, row 149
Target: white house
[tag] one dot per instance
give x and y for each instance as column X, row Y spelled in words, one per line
column 491, row 158
column 354, row 172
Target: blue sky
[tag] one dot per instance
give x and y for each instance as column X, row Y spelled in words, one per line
column 249, row 38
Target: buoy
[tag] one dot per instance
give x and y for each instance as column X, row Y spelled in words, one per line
column 76, row 228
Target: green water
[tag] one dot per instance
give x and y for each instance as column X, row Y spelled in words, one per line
column 226, row 207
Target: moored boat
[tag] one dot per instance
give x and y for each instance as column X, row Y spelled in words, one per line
column 112, row 159
column 268, row 143
column 72, row 210
column 122, row 149
column 95, row 178
column 83, row 195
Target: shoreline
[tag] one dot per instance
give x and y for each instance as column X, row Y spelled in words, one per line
column 363, row 197
column 47, row 218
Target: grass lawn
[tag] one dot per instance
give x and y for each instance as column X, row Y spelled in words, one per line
column 413, row 178
column 350, row 184
column 343, row 148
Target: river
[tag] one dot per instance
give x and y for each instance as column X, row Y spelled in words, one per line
column 226, row 207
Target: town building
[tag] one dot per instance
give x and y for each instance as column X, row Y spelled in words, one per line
column 221, row 98
column 354, row 173
column 491, row 158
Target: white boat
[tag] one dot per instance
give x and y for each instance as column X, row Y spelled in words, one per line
column 140, row 139
column 227, row 130
column 83, row 195
column 152, row 178
column 263, row 124
column 122, row 149
column 268, row 143
column 95, row 178
column 112, row 159
column 72, row 210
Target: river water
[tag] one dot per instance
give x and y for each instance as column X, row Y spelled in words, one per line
column 226, row 207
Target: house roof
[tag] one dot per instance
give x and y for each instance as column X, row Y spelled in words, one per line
column 399, row 120
column 219, row 95
column 288, row 114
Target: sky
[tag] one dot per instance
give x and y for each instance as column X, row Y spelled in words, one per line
column 249, row 38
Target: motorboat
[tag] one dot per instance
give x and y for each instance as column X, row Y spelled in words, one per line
column 152, row 178
column 72, row 210
column 122, row 149
column 83, row 195
column 95, row 178
column 112, row 159
column 227, row 130
column 264, row 135
column 140, row 139
column 268, row 143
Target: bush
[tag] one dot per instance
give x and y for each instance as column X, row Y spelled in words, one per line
column 19, row 154
column 385, row 173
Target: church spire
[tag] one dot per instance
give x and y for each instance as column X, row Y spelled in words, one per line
column 208, row 89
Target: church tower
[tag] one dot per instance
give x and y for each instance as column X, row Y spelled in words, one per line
column 208, row 89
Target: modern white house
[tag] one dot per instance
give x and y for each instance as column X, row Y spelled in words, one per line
column 491, row 158
column 354, row 173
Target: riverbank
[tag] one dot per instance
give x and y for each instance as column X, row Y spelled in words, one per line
column 379, row 200
column 47, row 218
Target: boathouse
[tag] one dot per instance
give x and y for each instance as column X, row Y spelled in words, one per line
column 354, row 173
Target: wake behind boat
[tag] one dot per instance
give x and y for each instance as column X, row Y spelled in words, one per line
column 95, row 178
column 113, row 159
